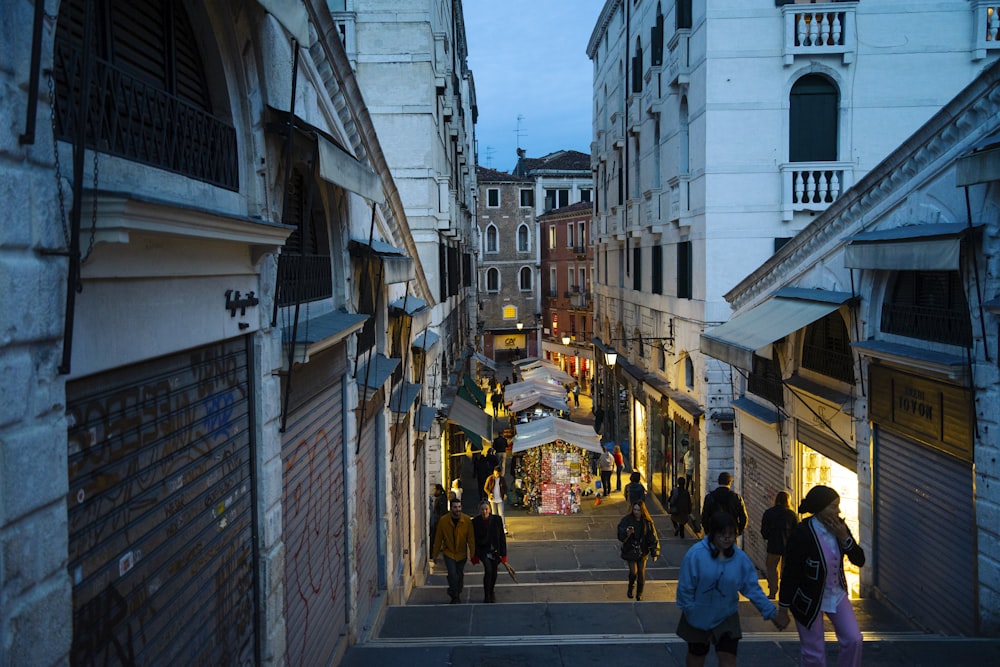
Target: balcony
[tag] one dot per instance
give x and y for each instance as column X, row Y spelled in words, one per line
column 986, row 28
column 303, row 278
column 816, row 30
column 680, row 196
column 580, row 251
column 580, row 300
column 813, row 186
column 679, row 58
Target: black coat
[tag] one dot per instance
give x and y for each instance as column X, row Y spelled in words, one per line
column 776, row 525
column 489, row 536
column 803, row 575
column 724, row 499
column 645, row 533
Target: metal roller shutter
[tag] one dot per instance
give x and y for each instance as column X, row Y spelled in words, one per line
column 763, row 477
column 312, row 455
column 925, row 548
column 161, row 511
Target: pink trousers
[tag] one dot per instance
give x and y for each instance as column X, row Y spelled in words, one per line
column 845, row 624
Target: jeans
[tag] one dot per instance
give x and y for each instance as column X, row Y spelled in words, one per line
column 456, row 576
column 490, row 566
column 605, row 482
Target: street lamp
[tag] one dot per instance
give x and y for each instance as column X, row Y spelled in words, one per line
column 566, row 339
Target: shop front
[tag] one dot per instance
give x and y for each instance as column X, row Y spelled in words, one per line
column 552, row 464
column 923, row 477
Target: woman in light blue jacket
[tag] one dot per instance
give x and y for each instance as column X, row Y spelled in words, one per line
column 713, row 574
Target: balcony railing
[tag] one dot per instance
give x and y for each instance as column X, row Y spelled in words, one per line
column 679, row 58
column 813, row 186
column 986, row 28
column 837, row 365
column 303, row 278
column 580, row 249
column 130, row 119
column 826, row 29
column 680, row 189
column 767, row 387
column 932, row 324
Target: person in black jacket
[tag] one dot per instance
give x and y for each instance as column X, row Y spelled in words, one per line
column 491, row 547
column 638, row 536
column 635, row 492
column 775, row 526
column 724, row 499
column 679, row 507
column 813, row 556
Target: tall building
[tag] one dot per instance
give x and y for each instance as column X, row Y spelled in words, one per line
column 411, row 62
column 865, row 353
column 721, row 130
column 219, row 331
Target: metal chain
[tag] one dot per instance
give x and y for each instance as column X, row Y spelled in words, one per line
column 55, row 151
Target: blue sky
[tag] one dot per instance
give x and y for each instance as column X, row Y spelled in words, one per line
column 529, row 59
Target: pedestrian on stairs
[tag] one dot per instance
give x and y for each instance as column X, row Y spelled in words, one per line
column 491, row 547
column 638, row 536
column 455, row 539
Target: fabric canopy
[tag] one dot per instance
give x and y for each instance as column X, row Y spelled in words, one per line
column 397, row 266
column 550, row 429
column 529, row 400
column 547, row 372
column 535, row 387
column 790, row 309
column 485, row 361
column 931, row 247
column 471, row 418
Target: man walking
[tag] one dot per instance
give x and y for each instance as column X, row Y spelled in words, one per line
column 455, row 539
column 724, row 499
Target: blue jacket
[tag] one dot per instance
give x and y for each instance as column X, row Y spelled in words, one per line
column 708, row 588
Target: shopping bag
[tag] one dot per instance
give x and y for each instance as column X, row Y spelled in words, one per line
column 510, row 571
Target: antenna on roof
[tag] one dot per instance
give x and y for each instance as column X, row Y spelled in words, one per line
column 489, row 156
column 518, row 132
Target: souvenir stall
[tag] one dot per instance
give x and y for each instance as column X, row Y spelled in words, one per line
column 532, row 399
column 552, row 467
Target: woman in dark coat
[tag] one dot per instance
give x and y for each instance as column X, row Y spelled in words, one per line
column 637, row 534
column 491, row 547
column 814, row 556
column 775, row 526
column 679, row 506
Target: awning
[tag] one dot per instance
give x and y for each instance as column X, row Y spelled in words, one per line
column 550, row 429
column 399, row 267
column 338, row 167
column 932, row 247
column 403, row 397
column 930, row 363
column 471, row 418
column 790, row 309
column 525, row 401
column 322, row 331
column 373, row 374
column 757, row 411
column 425, row 340
column 476, row 394
column 425, row 417
column 410, row 305
column 292, row 16
column 485, row 361
column 536, row 386
column 547, row 372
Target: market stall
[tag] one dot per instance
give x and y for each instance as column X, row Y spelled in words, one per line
column 522, row 396
column 553, row 469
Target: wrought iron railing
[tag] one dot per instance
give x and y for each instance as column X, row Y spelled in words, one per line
column 131, row 119
column 831, row 363
column 932, row 324
column 767, row 387
column 303, row 278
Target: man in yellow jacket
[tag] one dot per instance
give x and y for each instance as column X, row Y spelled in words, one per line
column 455, row 539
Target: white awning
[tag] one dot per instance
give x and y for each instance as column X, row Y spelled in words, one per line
column 547, row 372
column 398, row 267
column 471, row 418
column 790, row 309
column 931, row 247
column 530, row 400
column 551, row 429
column 292, row 16
column 338, row 167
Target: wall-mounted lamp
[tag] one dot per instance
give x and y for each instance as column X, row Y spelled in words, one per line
column 520, row 325
column 566, row 339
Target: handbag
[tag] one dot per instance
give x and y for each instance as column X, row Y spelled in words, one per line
column 631, row 549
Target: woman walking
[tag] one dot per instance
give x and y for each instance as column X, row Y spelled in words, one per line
column 775, row 526
column 713, row 574
column 679, row 507
column 638, row 536
column 491, row 547
column 813, row 581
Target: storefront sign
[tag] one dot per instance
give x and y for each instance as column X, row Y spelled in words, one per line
column 933, row 412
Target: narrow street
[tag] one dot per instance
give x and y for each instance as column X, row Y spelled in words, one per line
column 569, row 607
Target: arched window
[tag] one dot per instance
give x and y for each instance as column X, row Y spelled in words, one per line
column 492, row 280
column 928, row 305
column 492, row 239
column 688, row 373
column 812, row 120
column 523, row 239
column 637, row 67
column 524, row 279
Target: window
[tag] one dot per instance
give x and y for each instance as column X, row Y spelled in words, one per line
column 826, row 348
column 524, row 279
column 570, row 280
column 556, row 198
column 582, row 280
column 765, row 380
column 523, row 240
column 553, row 282
column 493, row 198
column 656, row 39
column 812, row 120
column 657, row 267
column 585, row 194
column 637, row 269
column 552, row 236
column 928, row 305
column 492, row 239
column 682, row 15
column 527, row 198
column 637, row 67
column 685, row 273
column 569, row 234
column 780, row 241
column 510, row 312
column 492, row 280
column 689, row 373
